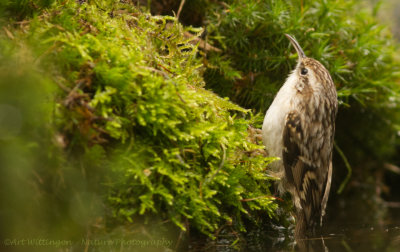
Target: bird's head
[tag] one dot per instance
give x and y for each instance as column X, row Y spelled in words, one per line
column 310, row 71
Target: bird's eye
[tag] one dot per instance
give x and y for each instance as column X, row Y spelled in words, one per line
column 304, row 71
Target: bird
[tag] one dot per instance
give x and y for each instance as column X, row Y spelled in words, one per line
column 299, row 128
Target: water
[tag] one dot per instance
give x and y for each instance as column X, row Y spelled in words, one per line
column 350, row 228
column 364, row 238
column 344, row 238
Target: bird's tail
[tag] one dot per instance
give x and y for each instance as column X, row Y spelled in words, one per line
column 301, row 225
column 303, row 228
column 306, row 235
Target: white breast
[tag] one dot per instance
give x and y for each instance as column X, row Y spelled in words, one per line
column 274, row 121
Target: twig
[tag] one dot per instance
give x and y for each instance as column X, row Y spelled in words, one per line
column 349, row 169
column 392, row 204
column 72, row 93
column 391, row 167
column 62, row 86
column 202, row 43
column 179, row 239
column 8, row 33
column 180, row 9
column 262, row 197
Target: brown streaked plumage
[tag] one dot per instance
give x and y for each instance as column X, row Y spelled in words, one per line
column 299, row 128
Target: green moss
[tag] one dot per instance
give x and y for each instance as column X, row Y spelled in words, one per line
column 131, row 112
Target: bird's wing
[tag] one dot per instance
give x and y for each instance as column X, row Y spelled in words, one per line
column 300, row 170
column 326, row 193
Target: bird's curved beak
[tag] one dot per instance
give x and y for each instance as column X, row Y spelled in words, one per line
column 296, row 46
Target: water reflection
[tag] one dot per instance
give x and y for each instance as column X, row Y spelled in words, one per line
column 350, row 238
column 311, row 244
column 365, row 238
column 336, row 237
